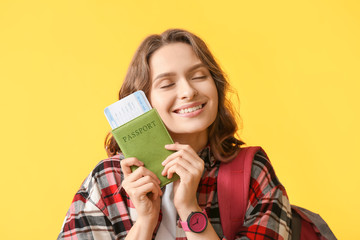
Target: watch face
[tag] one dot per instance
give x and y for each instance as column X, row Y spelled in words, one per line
column 197, row 222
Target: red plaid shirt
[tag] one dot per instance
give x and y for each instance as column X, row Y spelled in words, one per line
column 101, row 209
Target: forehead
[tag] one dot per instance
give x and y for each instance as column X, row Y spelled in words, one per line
column 174, row 57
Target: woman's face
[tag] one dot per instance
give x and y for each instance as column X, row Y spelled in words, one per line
column 182, row 90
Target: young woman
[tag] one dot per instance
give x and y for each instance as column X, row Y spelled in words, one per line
column 186, row 85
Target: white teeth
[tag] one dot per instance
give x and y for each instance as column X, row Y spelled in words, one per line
column 189, row 110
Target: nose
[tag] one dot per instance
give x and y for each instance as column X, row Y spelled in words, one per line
column 186, row 90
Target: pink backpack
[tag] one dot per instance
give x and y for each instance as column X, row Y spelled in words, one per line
column 233, row 189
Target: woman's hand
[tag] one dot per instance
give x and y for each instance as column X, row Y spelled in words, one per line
column 143, row 188
column 189, row 166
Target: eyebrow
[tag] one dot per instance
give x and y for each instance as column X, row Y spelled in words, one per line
column 170, row 74
column 196, row 66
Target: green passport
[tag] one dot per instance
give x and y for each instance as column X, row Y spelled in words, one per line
column 145, row 138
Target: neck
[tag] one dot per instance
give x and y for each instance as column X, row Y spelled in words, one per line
column 196, row 140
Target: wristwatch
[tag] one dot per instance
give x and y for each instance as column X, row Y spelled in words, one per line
column 196, row 222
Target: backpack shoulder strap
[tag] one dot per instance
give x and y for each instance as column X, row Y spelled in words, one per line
column 233, row 190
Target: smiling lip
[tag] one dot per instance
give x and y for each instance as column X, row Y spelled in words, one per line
column 190, row 110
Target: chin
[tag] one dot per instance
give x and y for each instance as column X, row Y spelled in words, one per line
column 186, row 130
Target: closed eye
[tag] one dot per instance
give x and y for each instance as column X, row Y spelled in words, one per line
column 167, row 85
column 199, row 77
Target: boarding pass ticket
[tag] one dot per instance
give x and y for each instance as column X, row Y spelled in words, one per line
column 126, row 109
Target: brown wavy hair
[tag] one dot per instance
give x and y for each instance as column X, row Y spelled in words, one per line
column 222, row 131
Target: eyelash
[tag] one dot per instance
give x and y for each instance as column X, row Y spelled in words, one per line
column 171, row 84
column 201, row 77
column 168, row 85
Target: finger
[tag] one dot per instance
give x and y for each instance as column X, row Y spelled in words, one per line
column 183, row 156
column 141, row 172
column 183, row 153
column 177, row 146
column 183, row 172
column 184, row 164
column 146, row 189
column 127, row 163
column 170, row 164
column 145, row 180
column 135, row 188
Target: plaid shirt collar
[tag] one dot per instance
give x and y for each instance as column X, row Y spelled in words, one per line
column 206, row 155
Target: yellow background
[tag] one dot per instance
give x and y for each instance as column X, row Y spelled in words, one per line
column 295, row 65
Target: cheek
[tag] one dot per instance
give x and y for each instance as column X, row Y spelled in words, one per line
column 214, row 95
column 215, row 99
column 153, row 99
column 161, row 103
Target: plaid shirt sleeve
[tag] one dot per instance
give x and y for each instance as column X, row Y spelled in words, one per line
column 101, row 209
column 98, row 211
column 268, row 215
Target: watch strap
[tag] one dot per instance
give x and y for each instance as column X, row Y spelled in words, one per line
column 185, row 226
